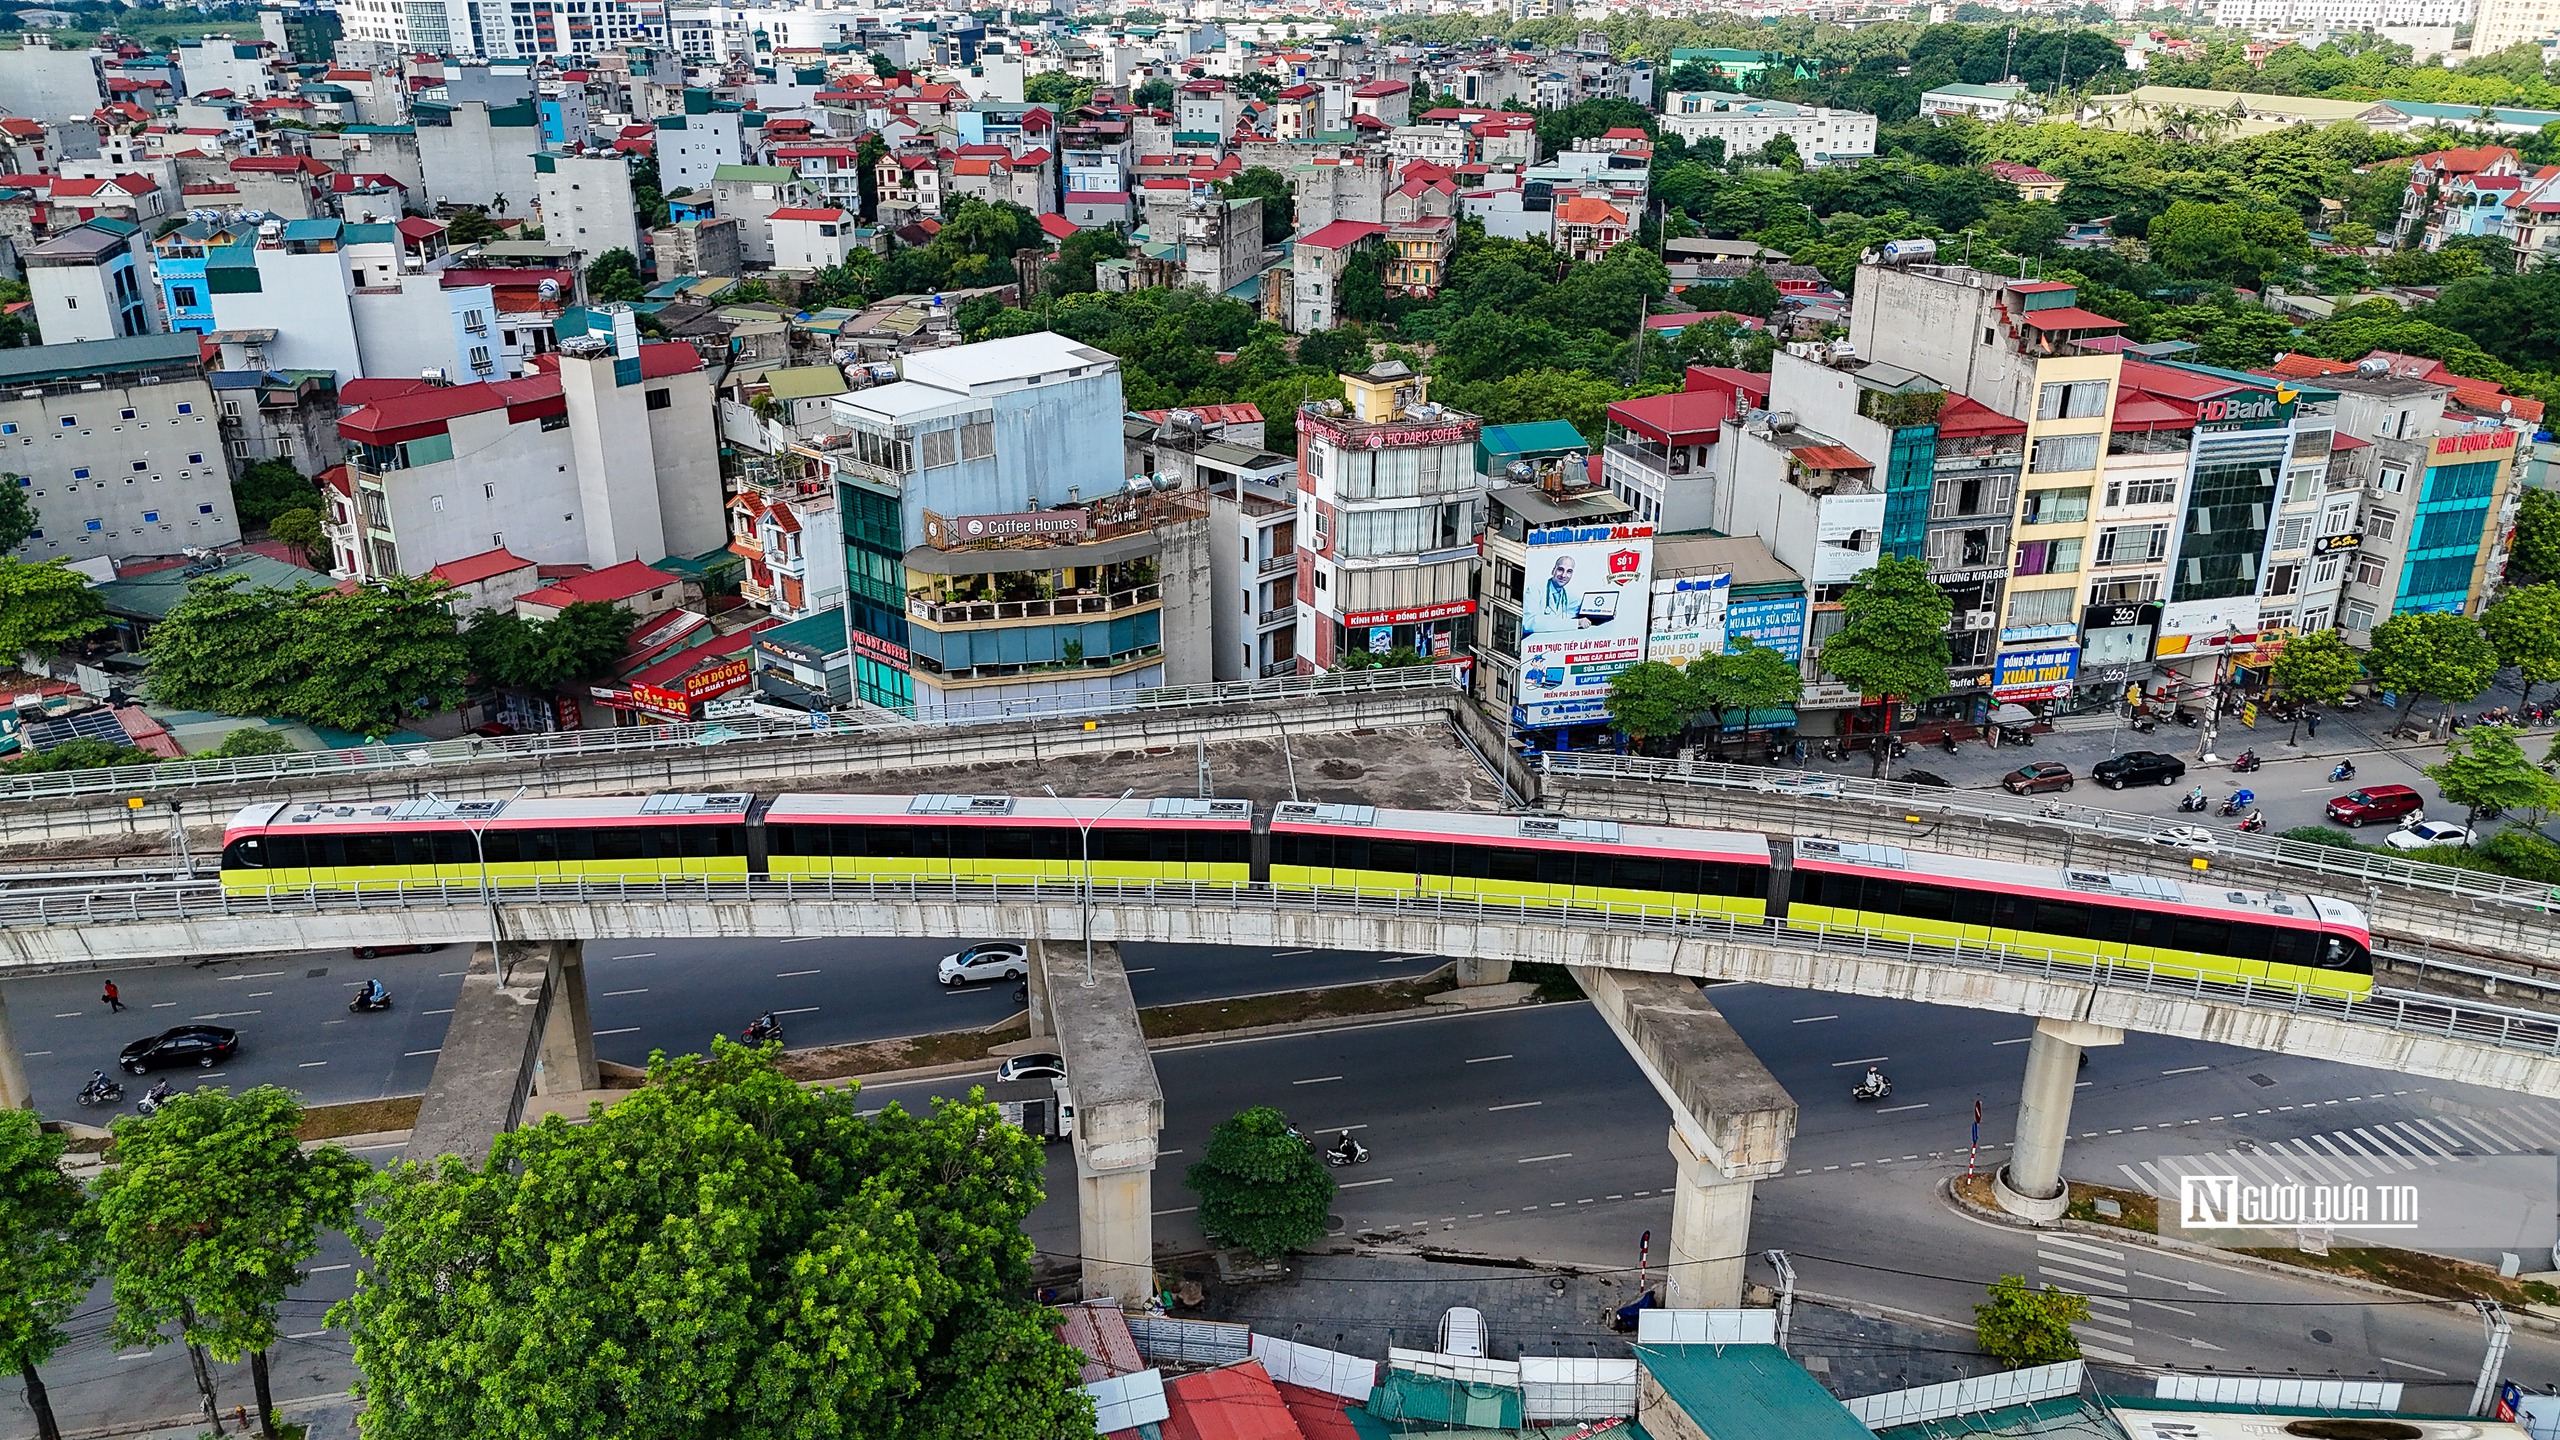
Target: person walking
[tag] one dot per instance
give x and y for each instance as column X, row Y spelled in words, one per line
column 114, row 1001
column 2311, row 723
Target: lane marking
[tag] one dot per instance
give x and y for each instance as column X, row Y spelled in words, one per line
column 260, row 994
column 1515, row 1105
column 2112, row 1357
column 1897, row 1109
column 2021, row 1040
column 2172, row 1309
column 2085, row 1249
column 385, row 1145
column 448, row 974
column 228, row 1014
column 70, row 1014
column 778, row 975
column 34, row 1054
column 413, row 1054
column 643, row 990
column 625, row 1030
column 2411, row 1365
column 2074, row 1277
column 325, row 1269
column 163, row 1004
column 1870, row 1060
column 1318, row 1080
column 1535, row 1159
column 261, row 975
column 803, row 1010
column 1812, row 1019
column 2188, row 1070
column 312, row 1064
column 1397, row 959
column 306, row 1335
column 445, row 1011
column 640, row 955
column 1483, row 1059
column 1141, row 970
column 1357, row 1184
column 1178, row 1210
column 1285, row 954
column 803, row 939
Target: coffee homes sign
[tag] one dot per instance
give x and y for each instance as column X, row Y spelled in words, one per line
column 945, row 532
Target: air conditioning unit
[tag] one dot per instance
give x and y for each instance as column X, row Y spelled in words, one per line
column 1978, row 619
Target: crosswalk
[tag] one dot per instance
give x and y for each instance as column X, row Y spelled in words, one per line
column 2375, row 1151
column 2099, row 1274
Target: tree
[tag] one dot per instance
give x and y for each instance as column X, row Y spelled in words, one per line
column 362, row 661
column 2204, row 240
column 2486, row 770
column 1892, row 643
column 248, row 742
column 268, row 488
column 2019, row 1326
column 2440, row 656
column 1279, row 200
column 1362, row 292
column 615, row 276
column 82, row 754
column 2535, row 550
column 1260, row 1186
column 1153, row 95
column 1753, row 677
column 1754, row 294
column 1058, row 88
column 208, row 1212
column 1341, row 351
column 720, row 1254
column 1072, row 272
column 17, row 513
column 1649, row 700
column 302, row 529
column 470, row 225
column 2318, row 669
column 47, row 1254
column 2523, row 625
column 648, row 193
column 44, row 608
column 507, row 649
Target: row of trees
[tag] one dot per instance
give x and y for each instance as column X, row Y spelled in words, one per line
column 723, row 1253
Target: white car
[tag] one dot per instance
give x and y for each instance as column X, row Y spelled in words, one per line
column 1032, row 1067
column 2188, row 837
column 2428, row 835
column 997, row 960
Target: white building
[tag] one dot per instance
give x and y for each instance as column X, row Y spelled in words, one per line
column 586, row 202
column 691, row 147
column 117, row 446
column 472, row 153
column 2301, row 15
column 1821, row 134
column 811, row 238
column 40, row 80
column 1989, row 104
column 90, row 283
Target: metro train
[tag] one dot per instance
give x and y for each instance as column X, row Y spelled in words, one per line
column 2181, row 927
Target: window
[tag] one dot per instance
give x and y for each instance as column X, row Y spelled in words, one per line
column 186, row 408
column 2324, row 571
column 2356, row 616
column 2057, row 453
column 125, row 414
column 141, row 464
column 2293, row 532
column 240, row 448
column 183, row 296
column 660, row 400
column 2382, row 524
column 2133, row 544
column 91, row 525
column 151, row 517
column 231, row 408
column 2391, row 482
column 2282, row 579
column 204, row 509
column 2072, row 400
column 2041, row 607
column 2047, row 557
column 70, row 422
column 2121, row 493
column 70, row 302
column 939, row 447
column 2056, row 507
column 977, row 440
column 9, row 429
column 81, row 473
column 2370, row 572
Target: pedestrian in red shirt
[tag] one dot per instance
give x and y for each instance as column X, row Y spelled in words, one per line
column 115, row 1002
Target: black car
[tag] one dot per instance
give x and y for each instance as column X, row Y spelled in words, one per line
column 2138, row 767
column 200, row 1045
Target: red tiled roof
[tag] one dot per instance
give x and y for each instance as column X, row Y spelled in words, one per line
column 804, row 213
column 1380, row 89
column 471, row 569
column 684, row 662
column 1056, row 226
column 2069, row 317
column 1964, row 416
column 1832, row 457
column 428, row 409
column 1589, row 210
column 1241, row 413
column 418, row 227
column 1341, row 233
column 1238, row 1402
column 614, row 582
column 1680, row 413
column 279, row 165
column 2138, row 411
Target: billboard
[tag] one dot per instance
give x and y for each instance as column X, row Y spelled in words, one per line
column 1777, row 623
column 1583, row 619
column 1688, row 618
column 2045, row 673
column 1845, row 527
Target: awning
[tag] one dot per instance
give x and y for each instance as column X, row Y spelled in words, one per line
column 1781, row 718
column 2013, row 715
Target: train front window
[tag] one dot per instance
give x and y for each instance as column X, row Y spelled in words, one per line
column 248, row 854
column 2337, row 952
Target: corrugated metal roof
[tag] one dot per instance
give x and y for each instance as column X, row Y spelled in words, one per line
column 1743, row 1392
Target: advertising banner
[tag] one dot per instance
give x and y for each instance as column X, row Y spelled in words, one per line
column 2045, row 673
column 1688, row 618
column 1776, row 622
column 1583, row 620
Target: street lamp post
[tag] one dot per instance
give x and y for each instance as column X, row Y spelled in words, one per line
column 480, row 847
column 1084, row 837
column 2213, row 702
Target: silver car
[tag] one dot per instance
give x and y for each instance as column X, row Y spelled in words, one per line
column 995, row 960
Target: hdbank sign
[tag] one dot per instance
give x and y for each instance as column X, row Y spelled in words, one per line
column 1583, row 620
column 2251, row 410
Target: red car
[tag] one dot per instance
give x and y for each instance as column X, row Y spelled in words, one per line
column 2376, row 803
column 2043, row 775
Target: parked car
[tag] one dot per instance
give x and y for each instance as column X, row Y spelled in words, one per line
column 2037, row 778
column 2138, row 767
column 1033, row 1067
column 1930, row 778
column 367, row 952
column 2377, row 802
column 2185, row 837
column 204, row 1046
column 2428, row 834
column 996, row 960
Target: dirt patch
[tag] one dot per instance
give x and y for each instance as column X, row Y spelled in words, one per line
column 1167, row 1022
column 2135, row 1210
column 364, row 1117
column 2420, row 1273
column 915, row 1052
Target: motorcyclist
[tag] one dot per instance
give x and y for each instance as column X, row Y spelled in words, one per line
column 160, row 1094
column 1345, row 1148
column 2346, row 770
column 1875, row 1080
column 763, row 1025
column 98, row 1084
column 372, row 993
column 2195, row 800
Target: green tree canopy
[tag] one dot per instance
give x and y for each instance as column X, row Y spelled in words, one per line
column 1261, row 1188
column 361, row 662
column 44, row 608
column 1072, row 271
column 1750, row 677
column 470, row 226
column 17, row 513
column 249, row 741
column 208, row 1211
column 2320, row 668
column 1278, row 197
column 507, row 649
column 2484, row 768
column 1892, row 642
column 721, row 1254
column 614, row 276
column 269, row 488
column 81, row 754
column 2535, row 551
column 302, row 530
column 2444, row 657
column 47, row 1252
column 2206, row 240
column 2022, row 1325
column 1058, row 88
column 2523, row 625
column 1649, row 700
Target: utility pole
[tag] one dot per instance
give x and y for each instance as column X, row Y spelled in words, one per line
column 2494, row 1321
column 1786, row 1269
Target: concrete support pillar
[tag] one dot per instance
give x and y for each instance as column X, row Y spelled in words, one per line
column 14, row 1091
column 568, row 1061
column 1038, row 980
column 1710, row 1231
column 1115, row 1231
column 1483, row 972
column 2030, row 1185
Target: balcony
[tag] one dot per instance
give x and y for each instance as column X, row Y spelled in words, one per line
column 1282, row 616
column 1280, row 564
column 1056, row 607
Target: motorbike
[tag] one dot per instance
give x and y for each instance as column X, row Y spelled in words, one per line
column 2231, row 807
column 2144, row 724
column 1881, row 1089
column 1899, row 749
column 1947, row 741
column 2342, row 771
column 2256, row 822
column 2016, row 735
column 761, row 1030
column 1358, row 1154
column 2247, row 762
column 98, row 1092
column 150, row 1104
column 1835, row 750
column 366, row 1002
column 2193, row 803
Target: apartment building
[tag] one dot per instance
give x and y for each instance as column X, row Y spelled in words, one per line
column 1390, row 509
column 116, row 445
column 91, row 283
column 1821, row 135
column 585, row 201
column 1659, row 453
column 604, row 453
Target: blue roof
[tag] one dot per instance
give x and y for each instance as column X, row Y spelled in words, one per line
column 2437, row 110
column 1536, row 437
column 1743, row 1391
column 313, row 229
